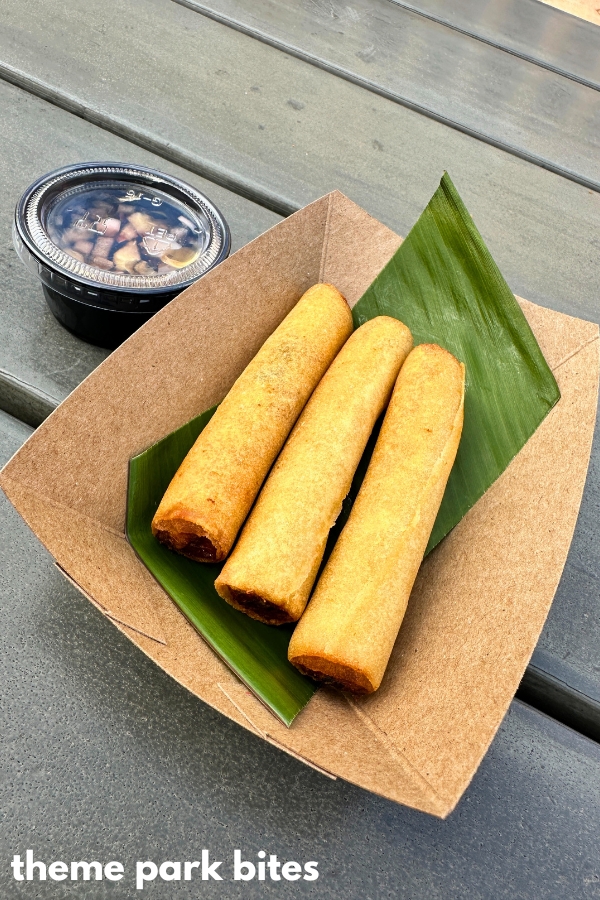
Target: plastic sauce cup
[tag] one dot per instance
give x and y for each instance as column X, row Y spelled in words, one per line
column 112, row 244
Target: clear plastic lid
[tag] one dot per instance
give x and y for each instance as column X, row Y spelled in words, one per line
column 124, row 227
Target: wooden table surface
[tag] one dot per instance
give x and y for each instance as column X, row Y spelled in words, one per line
column 265, row 106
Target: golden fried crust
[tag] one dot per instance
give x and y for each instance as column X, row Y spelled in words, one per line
column 280, row 549
column 217, row 483
column 358, row 605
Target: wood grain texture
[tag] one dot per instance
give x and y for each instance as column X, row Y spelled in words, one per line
column 537, row 31
column 273, row 121
column 502, row 98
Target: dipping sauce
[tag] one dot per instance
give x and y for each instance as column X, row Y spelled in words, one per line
column 117, row 227
column 113, row 243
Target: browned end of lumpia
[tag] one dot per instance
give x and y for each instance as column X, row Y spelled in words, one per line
column 256, row 607
column 187, row 542
column 335, row 674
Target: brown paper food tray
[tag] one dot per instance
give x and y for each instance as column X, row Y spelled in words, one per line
column 481, row 597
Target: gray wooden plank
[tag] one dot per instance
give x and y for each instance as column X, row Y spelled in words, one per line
column 530, row 28
column 271, row 122
column 40, row 362
column 469, row 84
column 105, row 757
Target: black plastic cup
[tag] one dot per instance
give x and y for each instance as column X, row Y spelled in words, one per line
column 112, row 244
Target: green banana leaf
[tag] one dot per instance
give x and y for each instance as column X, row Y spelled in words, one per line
column 257, row 653
column 442, row 283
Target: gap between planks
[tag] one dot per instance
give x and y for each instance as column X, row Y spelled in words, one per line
column 244, row 187
column 512, row 51
column 393, row 96
column 212, row 171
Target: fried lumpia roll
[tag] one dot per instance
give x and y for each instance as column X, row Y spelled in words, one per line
column 217, row 483
column 273, row 566
column 346, row 635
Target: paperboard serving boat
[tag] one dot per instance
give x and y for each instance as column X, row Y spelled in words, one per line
column 480, row 599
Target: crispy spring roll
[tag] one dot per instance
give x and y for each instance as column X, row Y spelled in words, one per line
column 217, row 483
column 273, row 567
column 346, row 635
